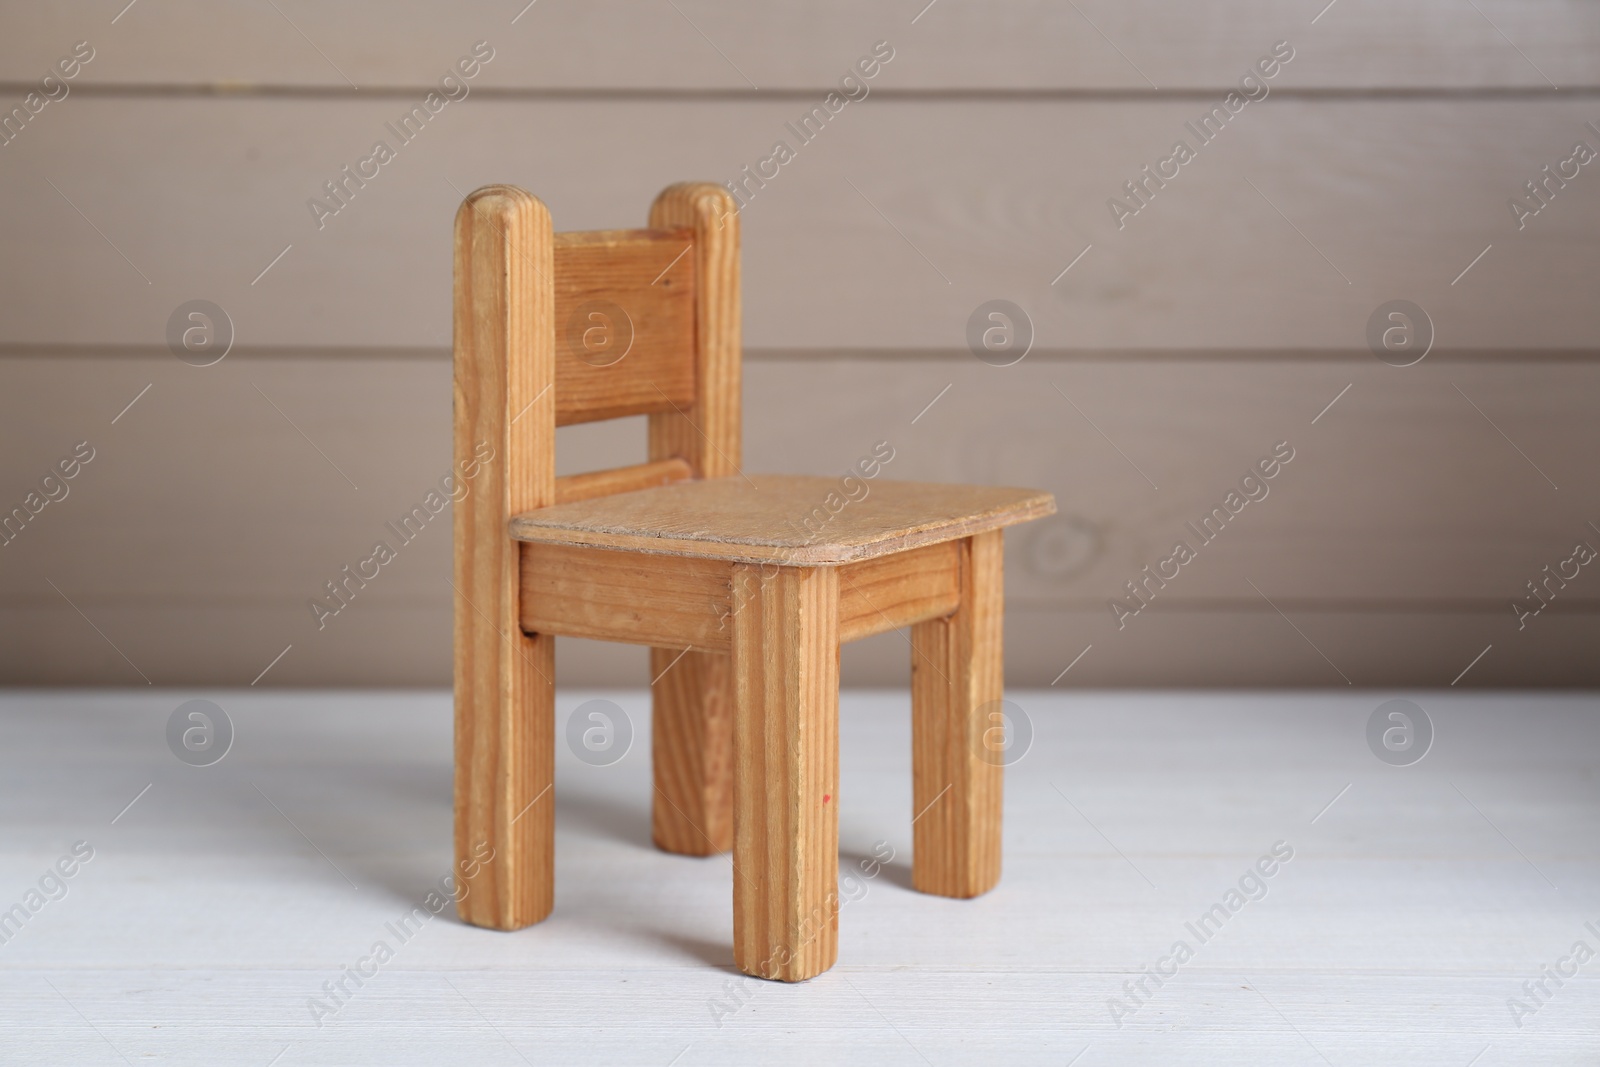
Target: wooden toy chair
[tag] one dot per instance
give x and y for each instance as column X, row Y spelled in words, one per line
column 758, row 578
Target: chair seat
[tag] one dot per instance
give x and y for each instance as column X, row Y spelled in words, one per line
column 797, row 520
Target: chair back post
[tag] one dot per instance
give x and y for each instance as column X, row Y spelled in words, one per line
column 553, row 330
column 504, row 464
column 708, row 434
column 692, row 694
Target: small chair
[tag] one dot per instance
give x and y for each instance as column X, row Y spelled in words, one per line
column 742, row 586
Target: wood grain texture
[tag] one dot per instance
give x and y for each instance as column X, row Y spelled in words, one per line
column 707, row 432
column 678, row 601
column 892, row 591
column 574, row 487
column 691, row 750
column 796, row 520
column 958, row 733
column 686, row 602
column 624, row 323
column 504, row 689
column 786, row 772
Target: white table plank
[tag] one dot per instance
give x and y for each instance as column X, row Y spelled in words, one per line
column 1413, row 907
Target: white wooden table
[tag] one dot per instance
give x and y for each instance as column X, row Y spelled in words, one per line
column 214, row 909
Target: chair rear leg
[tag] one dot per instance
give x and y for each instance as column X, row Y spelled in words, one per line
column 957, row 678
column 504, row 693
column 691, row 745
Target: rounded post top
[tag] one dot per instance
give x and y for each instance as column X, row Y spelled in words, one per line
column 500, row 200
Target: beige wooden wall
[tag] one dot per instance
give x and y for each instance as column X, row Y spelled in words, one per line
column 1177, row 350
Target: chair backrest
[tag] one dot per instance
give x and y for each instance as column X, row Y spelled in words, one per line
column 554, row 329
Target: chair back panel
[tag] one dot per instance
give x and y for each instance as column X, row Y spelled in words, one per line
column 553, row 329
column 624, row 323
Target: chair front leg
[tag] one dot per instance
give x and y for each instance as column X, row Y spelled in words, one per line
column 691, row 749
column 786, row 771
column 505, row 827
column 957, row 678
